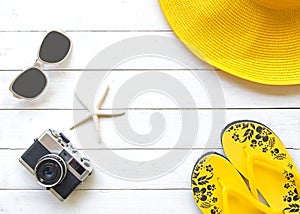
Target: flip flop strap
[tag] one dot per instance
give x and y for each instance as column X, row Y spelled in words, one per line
column 229, row 190
column 271, row 164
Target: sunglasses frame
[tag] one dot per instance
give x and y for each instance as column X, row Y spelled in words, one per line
column 38, row 65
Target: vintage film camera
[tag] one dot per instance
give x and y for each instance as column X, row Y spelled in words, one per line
column 55, row 164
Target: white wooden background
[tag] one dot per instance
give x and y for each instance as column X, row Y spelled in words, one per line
column 93, row 25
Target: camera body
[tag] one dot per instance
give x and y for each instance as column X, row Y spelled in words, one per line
column 55, row 164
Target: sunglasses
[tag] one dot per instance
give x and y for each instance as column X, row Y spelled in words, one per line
column 54, row 49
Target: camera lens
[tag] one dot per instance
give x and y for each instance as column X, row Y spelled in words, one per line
column 50, row 170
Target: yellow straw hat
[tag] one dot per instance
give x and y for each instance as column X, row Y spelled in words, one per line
column 257, row 40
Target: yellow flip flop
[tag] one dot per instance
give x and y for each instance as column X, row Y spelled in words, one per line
column 259, row 155
column 218, row 188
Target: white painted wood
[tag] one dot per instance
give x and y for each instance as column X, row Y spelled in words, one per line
column 18, row 128
column 92, row 15
column 137, row 201
column 93, row 26
column 25, row 46
column 237, row 93
column 115, row 202
column 178, row 178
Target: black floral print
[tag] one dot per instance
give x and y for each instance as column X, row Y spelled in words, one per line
column 211, row 187
column 265, row 149
column 236, row 137
column 215, row 210
column 200, row 194
column 262, row 133
column 292, row 208
column 260, row 137
column 292, row 197
column 209, row 168
column 253, row 144
column 289, row 175
column 203, row 192
column 287, row 186
column 214, row 200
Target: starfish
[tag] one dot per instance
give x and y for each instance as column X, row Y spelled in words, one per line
column 97, row 114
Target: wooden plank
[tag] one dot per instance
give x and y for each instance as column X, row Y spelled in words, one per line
column 178, row 178
column 60, row 92
column 95, row 15
column 24, row 46
column 18, row 128
column 114, row 202
column 93, row 26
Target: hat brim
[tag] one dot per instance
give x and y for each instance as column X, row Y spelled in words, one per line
column 240, row 37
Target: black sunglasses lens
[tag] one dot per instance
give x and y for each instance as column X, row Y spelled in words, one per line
column 30, row 83
column 55, row 47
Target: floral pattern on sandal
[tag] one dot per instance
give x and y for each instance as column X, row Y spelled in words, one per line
column 215, row 181
column 203, row 192
column 259, row 137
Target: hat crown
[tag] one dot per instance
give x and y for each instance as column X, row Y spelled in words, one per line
column 281, row 4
